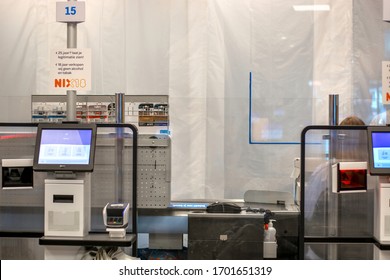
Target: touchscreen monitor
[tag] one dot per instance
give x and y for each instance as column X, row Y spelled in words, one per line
column 379, row 150
column 65, row 147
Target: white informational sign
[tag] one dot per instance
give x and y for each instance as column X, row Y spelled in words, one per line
column 70, row 69
column 386, row 10
column 385, row 82
column 70, row 11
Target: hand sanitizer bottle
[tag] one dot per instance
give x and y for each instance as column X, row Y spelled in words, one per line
column 270, row 245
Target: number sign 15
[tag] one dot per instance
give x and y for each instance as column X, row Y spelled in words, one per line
column 70, row 11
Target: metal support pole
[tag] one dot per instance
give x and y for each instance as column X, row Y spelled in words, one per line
column 333, row 120
column 71, row 42
column 120, row 118
column 333, row 109
column 332, row 201
column 120, row 107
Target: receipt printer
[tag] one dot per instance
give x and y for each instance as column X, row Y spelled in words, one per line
column 116, row 218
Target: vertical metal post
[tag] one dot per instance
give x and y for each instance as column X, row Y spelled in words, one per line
column 71, row 42
column 333, row 109
column 119, row 107
column 333, row 120
column 120, row 118
column 332, row 201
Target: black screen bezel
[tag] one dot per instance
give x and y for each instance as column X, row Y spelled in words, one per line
column 371, row 168
column 65, row 167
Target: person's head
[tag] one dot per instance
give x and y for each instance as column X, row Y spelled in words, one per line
column 352, row 143
column 352, row 120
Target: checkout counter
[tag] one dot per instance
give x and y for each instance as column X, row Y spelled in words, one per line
column 240, row 236
column 208, row 236
column 179, row 225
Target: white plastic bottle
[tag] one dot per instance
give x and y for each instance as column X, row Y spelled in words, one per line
column 271, row 231
column 270, row 245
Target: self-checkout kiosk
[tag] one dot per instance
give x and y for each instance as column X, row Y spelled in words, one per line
column 379, row 165
column 66, row 153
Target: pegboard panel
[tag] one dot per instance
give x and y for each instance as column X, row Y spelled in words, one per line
column 154, row 171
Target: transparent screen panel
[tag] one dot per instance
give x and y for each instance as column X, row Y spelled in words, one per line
column 112, row 179
column 328, row 213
